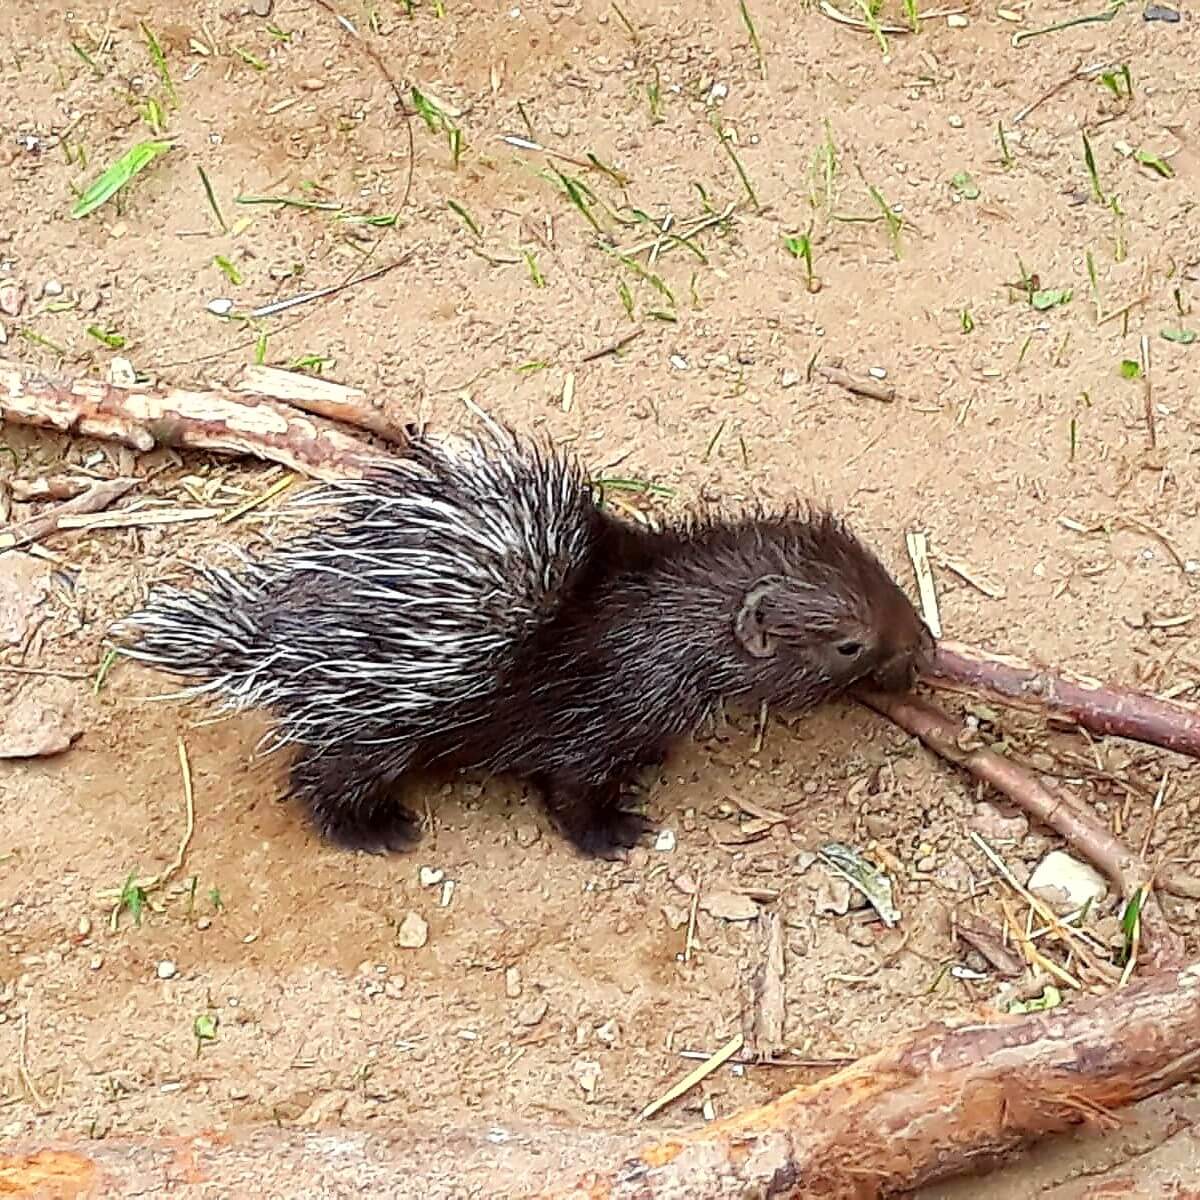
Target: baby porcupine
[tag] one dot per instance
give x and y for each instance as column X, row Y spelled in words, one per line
column 477, row 609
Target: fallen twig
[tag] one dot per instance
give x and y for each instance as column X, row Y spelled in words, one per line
column 406, row 112
column 289, row 302
column 97, row 498
column 149, row 882
column 945, row 1101
column 871, row 388
column 23, row 1067
column 766, row 1012
column 613, row 347
column 1100, row 708
column 1079, row 71
column 323, row 397
column 49, row 487
column 693, row 1077
column 214, row 419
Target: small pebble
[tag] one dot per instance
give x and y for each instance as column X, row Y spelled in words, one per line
column 957, row 21
column 52, row 288
column 262, row 8
column 12, row 299
column 789, row 378
column 665, row 841
column 413, row 932
column 676, row 360
column 221, row 307
column 527, row 834
column 587, row 1075
column 204, row 923
column 877, row 372
column 954, row 121
column 533, row 1012
column 121, row 372
column 608, row 1032
column 512, row 982
column 394, row 986
column 312, row 85
column 1060, row 878
column 729, row 906
column 167, row 969
column 85, row 926
column 447, row 893
column 3, row 336
column 1159, row 12
column 431, row 875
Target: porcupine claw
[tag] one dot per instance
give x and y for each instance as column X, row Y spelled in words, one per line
column 621, row 830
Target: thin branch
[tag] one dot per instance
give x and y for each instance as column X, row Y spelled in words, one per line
column 1100, row 708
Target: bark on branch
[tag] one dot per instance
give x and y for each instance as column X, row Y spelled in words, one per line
column 1100, row 708
column 941, row 1103
column 213, row 419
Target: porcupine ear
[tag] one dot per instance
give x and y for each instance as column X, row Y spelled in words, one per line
column 752, row 625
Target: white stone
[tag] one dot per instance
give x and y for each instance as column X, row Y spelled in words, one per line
column 414, row 932
column 1062, row 880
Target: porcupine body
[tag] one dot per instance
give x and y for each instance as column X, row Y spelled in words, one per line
column 478, row 610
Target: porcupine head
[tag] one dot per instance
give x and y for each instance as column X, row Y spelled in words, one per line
column 823, row 616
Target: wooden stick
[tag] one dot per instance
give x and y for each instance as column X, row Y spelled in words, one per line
column 214, row 419
column 49, row 487
column 96, row 499
column 323, row 397
column 1100, row 708
column 1057, row 809
column 940, row 1103
column 870, row 388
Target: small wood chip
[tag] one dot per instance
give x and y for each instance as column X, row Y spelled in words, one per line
column 918, row 552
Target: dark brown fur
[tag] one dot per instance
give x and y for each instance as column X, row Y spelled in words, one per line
column 480, row 611
column 644, row 644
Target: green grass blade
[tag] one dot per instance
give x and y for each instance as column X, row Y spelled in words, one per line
column 118, row 175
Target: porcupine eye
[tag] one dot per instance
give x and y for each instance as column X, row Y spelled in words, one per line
column 849, row 649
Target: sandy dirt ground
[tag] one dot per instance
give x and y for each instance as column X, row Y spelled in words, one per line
column 267, row 981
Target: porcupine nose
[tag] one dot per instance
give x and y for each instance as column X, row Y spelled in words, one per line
column 900, row 672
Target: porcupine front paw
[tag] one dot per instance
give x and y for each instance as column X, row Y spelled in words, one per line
column 592, row 819
column 610, row 835
column 348, row 810
column 387, row 828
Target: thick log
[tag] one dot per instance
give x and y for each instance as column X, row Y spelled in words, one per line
column 944, row 1102
column 214, row 419
column 1100, row 708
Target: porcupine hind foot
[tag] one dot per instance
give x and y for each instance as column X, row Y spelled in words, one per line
column 593, row 819
column 350, row 806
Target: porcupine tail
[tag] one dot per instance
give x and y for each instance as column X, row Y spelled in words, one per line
column 406, row 596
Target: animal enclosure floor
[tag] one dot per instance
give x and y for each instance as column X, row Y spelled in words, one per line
column 998, row 284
